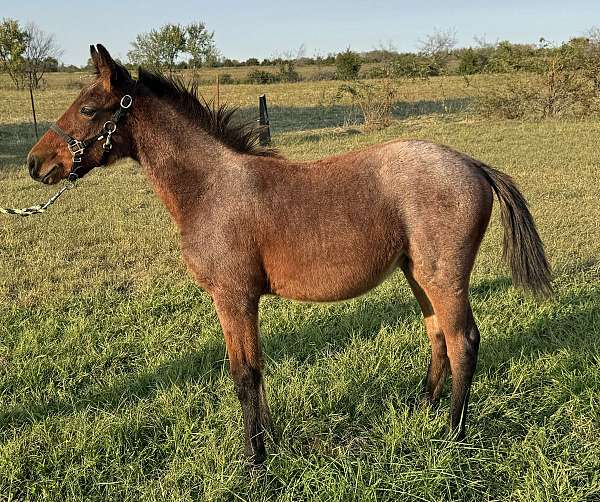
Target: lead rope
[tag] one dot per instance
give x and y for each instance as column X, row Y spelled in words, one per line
column 40, row 208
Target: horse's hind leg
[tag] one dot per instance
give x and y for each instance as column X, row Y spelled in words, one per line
column 438, row 364
column 462, row 343
column 447, row 297
column 455, row 320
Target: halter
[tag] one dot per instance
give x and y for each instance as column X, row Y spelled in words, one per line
column 77, row 147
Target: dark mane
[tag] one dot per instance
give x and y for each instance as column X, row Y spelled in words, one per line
column 219, row 122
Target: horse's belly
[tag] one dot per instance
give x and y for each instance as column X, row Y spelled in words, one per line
column 330, row 281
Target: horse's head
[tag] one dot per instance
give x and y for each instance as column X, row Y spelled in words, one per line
column 92, row 131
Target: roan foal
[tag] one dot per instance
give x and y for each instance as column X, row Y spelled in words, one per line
column 254, row 223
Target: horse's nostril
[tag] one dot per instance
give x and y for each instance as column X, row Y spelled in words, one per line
column 32, row 162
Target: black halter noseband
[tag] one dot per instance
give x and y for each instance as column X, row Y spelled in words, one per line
column 77, row 147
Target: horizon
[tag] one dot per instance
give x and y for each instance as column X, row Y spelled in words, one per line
column 278, row 29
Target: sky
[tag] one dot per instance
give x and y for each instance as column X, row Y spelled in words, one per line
column 264, row 29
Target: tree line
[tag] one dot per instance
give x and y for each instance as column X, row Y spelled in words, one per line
column 26, row 53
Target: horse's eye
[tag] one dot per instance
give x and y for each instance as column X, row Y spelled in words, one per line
column 87, row 111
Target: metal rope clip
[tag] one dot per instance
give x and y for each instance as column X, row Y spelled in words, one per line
column 109, row 128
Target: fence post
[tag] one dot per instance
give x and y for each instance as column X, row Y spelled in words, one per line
column 33, row 107
column 263, row 121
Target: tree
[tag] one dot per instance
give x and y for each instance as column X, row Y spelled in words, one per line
column 438, row 46
column 161, row 49
column 158, row 49
column 347, row 65
column 13, row 43
column 593, row 35
column 41, row 54
column 508, row 57
column 200, row 45
column 26, row 53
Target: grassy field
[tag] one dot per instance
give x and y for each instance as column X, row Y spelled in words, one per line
column 113, row 379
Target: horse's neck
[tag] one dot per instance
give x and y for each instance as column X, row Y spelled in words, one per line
column 179, row 157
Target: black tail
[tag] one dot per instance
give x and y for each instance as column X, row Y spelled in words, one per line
column 522, row 250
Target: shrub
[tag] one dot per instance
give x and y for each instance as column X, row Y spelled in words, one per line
column 565, row 83
column 226, row 78
column 472, row 61
column 411, row 66
column 376, row 72
column 322, row 75
column 508, row 57
column 287, row 72
column 261, row 77
column 347, row 65
column 514, row 100
column 374, row 101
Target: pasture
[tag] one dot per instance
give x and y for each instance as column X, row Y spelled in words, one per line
column 114, row 383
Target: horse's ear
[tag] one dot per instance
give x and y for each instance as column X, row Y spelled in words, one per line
column 94, row 56
column 109, row 71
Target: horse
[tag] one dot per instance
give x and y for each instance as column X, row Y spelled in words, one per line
column 253, row 223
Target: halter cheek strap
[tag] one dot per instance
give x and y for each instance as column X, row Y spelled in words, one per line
column 77, row 147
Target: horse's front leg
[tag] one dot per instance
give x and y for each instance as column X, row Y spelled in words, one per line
column 238, row 315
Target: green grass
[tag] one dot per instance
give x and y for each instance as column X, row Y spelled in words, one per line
column 114, row 383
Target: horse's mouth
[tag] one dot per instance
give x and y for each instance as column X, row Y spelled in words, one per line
column 49, row 178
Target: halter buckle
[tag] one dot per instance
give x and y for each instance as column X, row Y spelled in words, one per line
column 76, row 148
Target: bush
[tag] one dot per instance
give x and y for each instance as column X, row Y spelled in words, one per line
column 347, row 65
column 411, row 66
column 472, row 61
column 376, row 72
column 287, row 72
column 375, row 101
column 322, row 75
column 556, row 93
column 261, row 77
column 226, row 78
column 514, row 100
column 562, row 81
column 508, row 57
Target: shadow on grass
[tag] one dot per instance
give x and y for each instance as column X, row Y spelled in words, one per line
column 327, row 334
column 195, row 366
column 304, row 342
column 289, row 118
column 15, row 142
column 573, row 323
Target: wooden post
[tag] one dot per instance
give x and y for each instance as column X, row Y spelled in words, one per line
column 33, row 107
column 263, row 121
